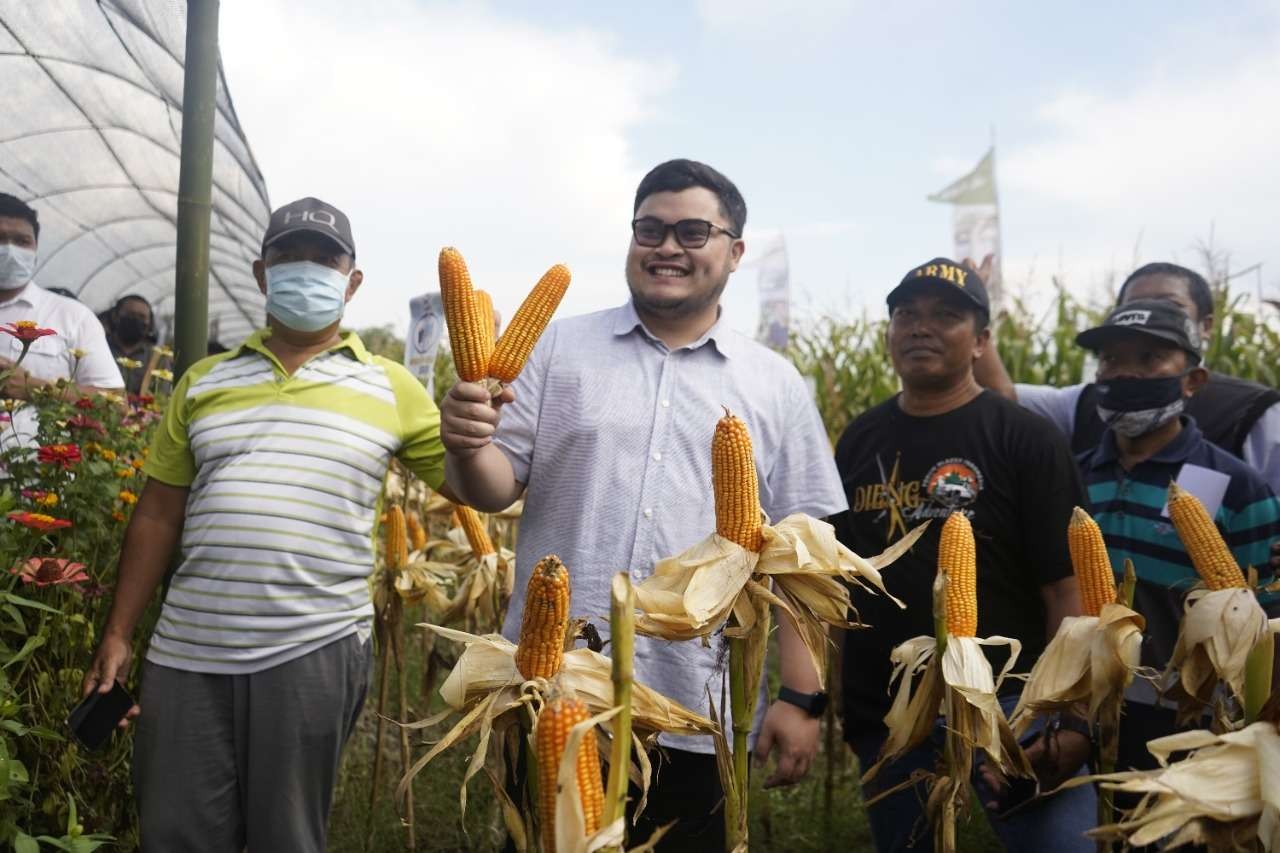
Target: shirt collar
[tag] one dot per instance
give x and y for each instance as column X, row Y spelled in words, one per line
column 725, row 340
column 1179, row 450
column 349, row 341
column 32, row 295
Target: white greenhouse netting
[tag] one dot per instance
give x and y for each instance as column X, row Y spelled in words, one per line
column 90, row 133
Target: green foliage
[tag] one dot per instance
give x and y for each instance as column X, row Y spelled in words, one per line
column 850, row 371
column 383, row 340
column 65, row 506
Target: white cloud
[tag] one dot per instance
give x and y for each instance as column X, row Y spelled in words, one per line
column 769, row 17
column 447, row 125
column 1147, row 173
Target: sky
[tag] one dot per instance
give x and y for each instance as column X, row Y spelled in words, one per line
column 517, row 132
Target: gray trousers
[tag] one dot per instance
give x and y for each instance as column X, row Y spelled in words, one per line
column 227, row 763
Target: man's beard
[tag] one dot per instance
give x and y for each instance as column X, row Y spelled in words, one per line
column 676, row 308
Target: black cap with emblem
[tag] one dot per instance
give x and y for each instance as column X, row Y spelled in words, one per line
column 1155, row 318
column 313, row 215
column 943, row 272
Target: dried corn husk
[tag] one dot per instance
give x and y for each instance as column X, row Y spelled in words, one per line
column 456, row 585
column 1219, row 630
column 1089, row 660
column 802, row 570
column 960, row 685
column 487, row 689
column 1225, row 794
column 964, row 672
column 571, row 834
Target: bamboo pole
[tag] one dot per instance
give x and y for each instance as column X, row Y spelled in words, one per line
column 195, row 185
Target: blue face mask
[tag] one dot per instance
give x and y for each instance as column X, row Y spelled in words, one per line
column 306, row 296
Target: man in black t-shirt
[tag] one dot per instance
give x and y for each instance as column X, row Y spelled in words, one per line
column 944, row 445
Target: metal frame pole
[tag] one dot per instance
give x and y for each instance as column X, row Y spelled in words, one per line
column 195, row 185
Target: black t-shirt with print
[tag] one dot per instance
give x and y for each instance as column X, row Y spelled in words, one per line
column 1009, row 470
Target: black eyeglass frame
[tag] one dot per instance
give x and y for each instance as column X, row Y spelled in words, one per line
column 674, row 228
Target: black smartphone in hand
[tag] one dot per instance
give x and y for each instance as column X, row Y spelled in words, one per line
column 98, row 714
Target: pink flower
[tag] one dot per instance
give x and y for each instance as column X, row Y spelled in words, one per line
column 48, row 571
column 26, row 331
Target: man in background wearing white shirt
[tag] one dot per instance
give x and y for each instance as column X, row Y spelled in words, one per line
column 52, row 357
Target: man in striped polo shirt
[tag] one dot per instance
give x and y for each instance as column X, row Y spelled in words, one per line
column 1148, row 366
column 269, row 465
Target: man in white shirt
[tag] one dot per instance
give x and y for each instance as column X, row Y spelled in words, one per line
column 610, row 424
column 78, row 352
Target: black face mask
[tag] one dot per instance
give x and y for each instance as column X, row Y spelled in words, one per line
column 1131, row 394
column 130, row 329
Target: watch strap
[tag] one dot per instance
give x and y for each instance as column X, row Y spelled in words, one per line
column 812, row 704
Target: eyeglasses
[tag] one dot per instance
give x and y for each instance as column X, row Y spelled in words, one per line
column 651, row 231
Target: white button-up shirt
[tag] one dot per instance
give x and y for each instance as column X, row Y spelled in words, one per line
column 611, row 431
column 50, row 357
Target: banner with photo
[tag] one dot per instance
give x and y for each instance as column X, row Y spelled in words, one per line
column 773, row 278
column 426, row 331
column 976, row 221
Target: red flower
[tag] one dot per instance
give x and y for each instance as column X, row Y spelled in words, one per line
column 59, row 454
column 47, row 571
column 39, row 521
column 85, row 403
column 86, row 423
column 141, row 400
column 26, row 331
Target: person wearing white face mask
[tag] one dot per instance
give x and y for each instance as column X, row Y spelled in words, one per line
column 49, row 358
column 1148, row 367
column 268, row 467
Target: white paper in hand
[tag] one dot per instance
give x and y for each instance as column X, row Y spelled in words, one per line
column 1208, row 485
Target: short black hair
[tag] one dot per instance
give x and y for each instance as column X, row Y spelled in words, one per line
column 677, row 175
column 1199, row 290
column 133, row 297
column 12, row 206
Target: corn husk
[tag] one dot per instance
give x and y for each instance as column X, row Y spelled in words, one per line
column 802, row 570
column 960, row 685
column 964, row 674
column 456, row 585
column 1225, row 794
column 571, row 836
column 1219, row 630
column 488, row 690
column 1091, row 659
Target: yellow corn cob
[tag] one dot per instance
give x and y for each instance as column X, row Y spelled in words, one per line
column 958, row 557
column 1209, row 553
column 527, row 325
column 484, row 304
column 555, row 720
column 395, row 551
column 733, row 476
column 473, row 525
column 545, row 620
column 417, row 536
column 1094, row 575
column 462, row 316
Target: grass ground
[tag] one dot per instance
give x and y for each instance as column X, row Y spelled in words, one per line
column 798, row 818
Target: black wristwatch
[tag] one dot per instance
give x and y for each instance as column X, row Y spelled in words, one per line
column 1070, row 723
column 812, row 704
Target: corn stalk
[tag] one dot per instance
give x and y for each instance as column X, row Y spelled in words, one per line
column 622, row 631
column 1109, row 724
column 944, row 832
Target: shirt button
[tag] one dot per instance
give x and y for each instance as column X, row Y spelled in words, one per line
column 648, row 512
column 666, row 404
column 657, row 457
